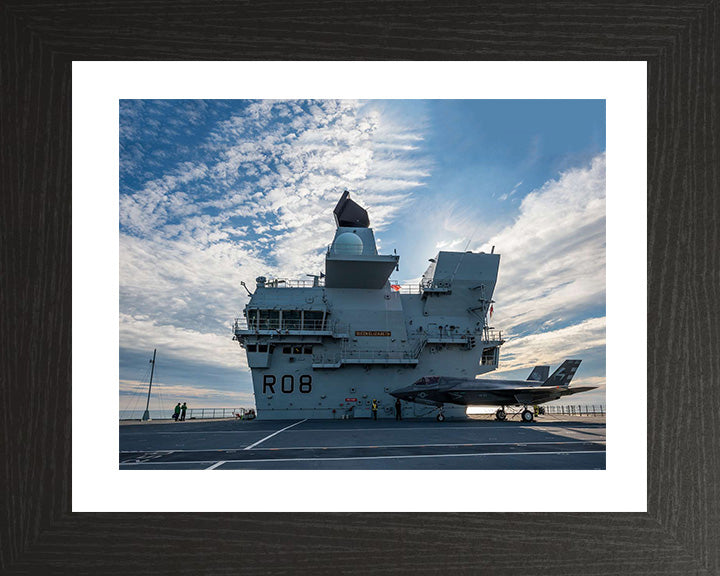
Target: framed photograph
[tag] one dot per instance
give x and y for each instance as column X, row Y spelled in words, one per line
column 330, row 357
column 652, row 508
column 447, row 314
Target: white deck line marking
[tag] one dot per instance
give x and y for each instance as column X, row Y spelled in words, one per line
column 408, row 429
column 378, row 457
column 192, row 432
column 368, row 446
column 274, row 434
column 439, row 427
column 216, row 465
column 455, row 444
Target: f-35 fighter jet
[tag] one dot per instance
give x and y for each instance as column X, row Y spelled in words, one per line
column 537, row 389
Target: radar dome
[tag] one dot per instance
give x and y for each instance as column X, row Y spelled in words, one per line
column 348, row 244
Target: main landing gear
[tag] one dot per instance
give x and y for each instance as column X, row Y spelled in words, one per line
column 527, row 415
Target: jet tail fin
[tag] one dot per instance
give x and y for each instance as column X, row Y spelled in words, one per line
column 563, row 375
column 539, row 373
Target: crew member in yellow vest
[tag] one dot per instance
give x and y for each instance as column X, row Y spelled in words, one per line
column 374, row 409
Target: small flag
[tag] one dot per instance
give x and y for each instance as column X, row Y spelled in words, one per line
column 395, row 287
column 491, row 310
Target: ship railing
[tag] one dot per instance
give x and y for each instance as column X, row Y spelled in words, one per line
column 576, row 409
column 377, row 353
column 241, row 324
column 453, row 336
column 291, row 283
column 294, row 325
column 425, row 284
column 337, row 328
column 356, row 354
column 492, row 335
column 191, row 414
column 406, row 288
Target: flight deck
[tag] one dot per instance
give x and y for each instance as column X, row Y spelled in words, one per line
column 553, row 442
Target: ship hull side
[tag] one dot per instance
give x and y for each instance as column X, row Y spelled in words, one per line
column 291, row 388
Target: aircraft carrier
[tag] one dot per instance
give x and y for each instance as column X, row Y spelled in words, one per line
column 321, row 351
column 326, row 348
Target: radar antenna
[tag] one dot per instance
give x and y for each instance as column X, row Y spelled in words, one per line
column 349, row 214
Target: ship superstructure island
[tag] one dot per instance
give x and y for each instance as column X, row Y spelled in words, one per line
column 326, row 347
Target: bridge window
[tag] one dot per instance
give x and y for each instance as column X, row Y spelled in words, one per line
column 313, row 319
column 287, row 349
column 252, row 318
column 262, row 347
column 269, row 319
column 291, row 319
column 307, row 350
column 297, row 350
column 251, row 347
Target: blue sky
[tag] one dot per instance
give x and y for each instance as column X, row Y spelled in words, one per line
column 215, row 192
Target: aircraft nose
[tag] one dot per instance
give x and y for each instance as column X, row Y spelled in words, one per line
column 402, row 393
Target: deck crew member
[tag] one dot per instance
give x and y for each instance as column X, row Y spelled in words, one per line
column 374, row 409
column 398, row 409
column 176, row 414
column 183, row 411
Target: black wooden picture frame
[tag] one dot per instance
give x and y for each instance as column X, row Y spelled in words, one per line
column 680, row 533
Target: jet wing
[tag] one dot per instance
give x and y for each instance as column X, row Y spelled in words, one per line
column 576, row 389
column 497, row 395
column 530, row 395
column 534, row 394
column 516, row 395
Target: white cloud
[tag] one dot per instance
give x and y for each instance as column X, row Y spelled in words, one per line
column 552, row 271
column 143, row 333
column 552, row 263
column 165, row 395
column 259, row 200
column 554, row 346
column 259, row 204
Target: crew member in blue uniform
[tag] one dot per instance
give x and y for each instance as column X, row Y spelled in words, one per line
column 398, row 409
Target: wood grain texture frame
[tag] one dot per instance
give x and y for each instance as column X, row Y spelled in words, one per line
column 680, row 533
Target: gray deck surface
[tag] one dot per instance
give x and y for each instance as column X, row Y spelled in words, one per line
column 547, row 444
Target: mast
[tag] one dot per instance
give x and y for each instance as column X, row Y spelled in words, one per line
column 146, row 415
